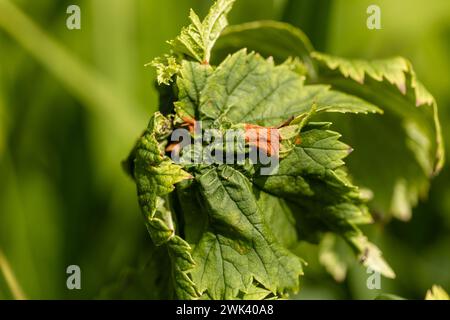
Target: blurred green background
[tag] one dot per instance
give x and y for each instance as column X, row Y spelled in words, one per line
column 72, row 103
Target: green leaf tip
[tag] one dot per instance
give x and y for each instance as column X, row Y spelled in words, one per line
column 166, row 67
column 198, row 39
column 195, row 41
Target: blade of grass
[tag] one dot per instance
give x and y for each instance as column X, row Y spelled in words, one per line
column 10, row 278
column 14, row 228
column 92, row 88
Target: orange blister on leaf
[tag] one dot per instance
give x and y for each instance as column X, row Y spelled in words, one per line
column 264, row 138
